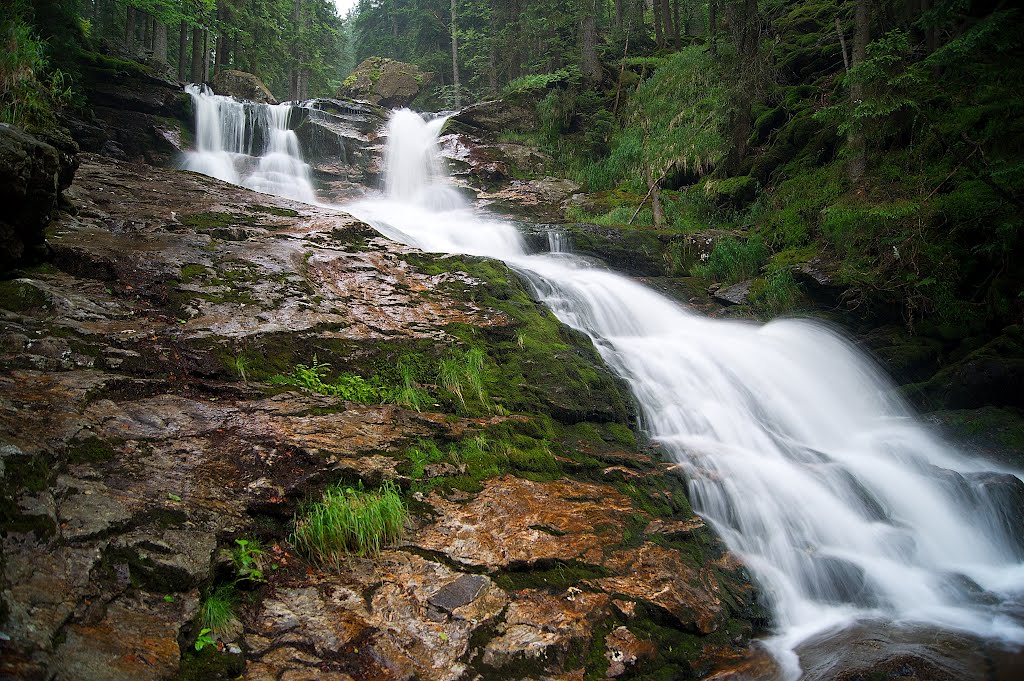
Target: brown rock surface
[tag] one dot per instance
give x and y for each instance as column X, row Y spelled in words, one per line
column 135, row 450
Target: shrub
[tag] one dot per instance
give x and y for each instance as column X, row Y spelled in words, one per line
column 350, row 520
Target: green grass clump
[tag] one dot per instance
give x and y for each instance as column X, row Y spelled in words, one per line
column 350, row 521
column 218, row 610
column 733, row 260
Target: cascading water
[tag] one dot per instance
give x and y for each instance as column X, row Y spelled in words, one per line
column 229, row 131
column 843, row 506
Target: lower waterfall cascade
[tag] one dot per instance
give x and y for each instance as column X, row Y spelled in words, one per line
column 796, row 449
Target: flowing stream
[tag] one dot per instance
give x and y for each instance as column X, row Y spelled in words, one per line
column 248, row 144
column 844, row 507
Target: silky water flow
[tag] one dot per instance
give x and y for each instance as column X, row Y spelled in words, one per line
column 796, row 449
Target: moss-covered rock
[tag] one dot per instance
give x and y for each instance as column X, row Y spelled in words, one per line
column 387, row 82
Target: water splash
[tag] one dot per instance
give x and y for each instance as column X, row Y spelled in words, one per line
column 248, row 144
column 842, row 504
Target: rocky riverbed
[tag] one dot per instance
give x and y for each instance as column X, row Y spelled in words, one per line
column 143, row 436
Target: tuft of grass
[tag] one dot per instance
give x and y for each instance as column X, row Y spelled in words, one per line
column 349, row 521
column 461, row 373
column 733, row 260
column 218, row 610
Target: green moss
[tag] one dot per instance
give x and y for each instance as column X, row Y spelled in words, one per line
column 274, row 210
column 553, row 577
column 192, row 272
column 21, row 296
column 90, row 450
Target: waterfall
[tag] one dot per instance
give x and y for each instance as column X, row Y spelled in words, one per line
column 248, row 144
column 843, row 505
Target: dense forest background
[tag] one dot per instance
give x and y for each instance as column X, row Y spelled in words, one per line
column 880, row 139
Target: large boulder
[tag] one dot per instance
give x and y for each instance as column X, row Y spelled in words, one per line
column 32, row 176
column 389, row 83
column 135, row 115
column 513, row 114
column 243, row 86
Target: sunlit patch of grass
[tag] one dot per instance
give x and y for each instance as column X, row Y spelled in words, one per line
column 349, row 521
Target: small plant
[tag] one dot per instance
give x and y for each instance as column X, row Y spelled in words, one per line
column 240, row 363
column 425, row 452
column 733, row 260
column 218, row 610
column 346, row 386
column 462, row 373
column 410, row 394
column 249, row 559
column 204, row 639
column 350, row 520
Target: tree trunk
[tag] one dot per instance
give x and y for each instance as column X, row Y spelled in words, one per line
column 618, row 15
column 197, row 55
column 655, row 191
column 659, row 35
column 182, row 50
column 590, row 64
column 206, row 56
column 160, row 42
column 456, row 84
column 855, row 138
column 129, row 31
column 666, row 22
column 677, row 25
column 147, row 32
column 295, row 81
column 713, row 24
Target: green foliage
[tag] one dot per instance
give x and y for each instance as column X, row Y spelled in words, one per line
column 346, row 386
column 249, row 559
column 733, row 260
column 30, row 91
column 775, row 294
column 349, row 520
column 544, row 81
column 205, row 638
column 218, row 611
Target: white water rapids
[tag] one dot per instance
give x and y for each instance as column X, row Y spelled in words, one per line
column 844, row 507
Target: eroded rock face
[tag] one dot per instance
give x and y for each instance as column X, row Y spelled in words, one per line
column 139, row 439
column 243, row 86
column 33, row 174
column 387, row 82
column 139, row 116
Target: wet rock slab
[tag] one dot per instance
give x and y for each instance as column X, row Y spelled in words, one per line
column 134, row 450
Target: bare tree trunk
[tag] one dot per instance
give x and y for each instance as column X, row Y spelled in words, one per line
column 659, row 35
column 197, row 55
column 129, row 31
column 677, row 25
column 618, row 15
column 713, row 25
column 655, row 191
column 590, row 64
column 456, row 83
column 147, row 32
column 206, row 56
column 842, row 46
column 666, row 22
column 295, row 80
column 855, row 138
column 160, row 42
column 182, row 50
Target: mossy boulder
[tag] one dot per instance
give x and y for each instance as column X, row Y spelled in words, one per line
column 734, row 192
column 989, row 376
column 243, row 86
column 387, row 82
